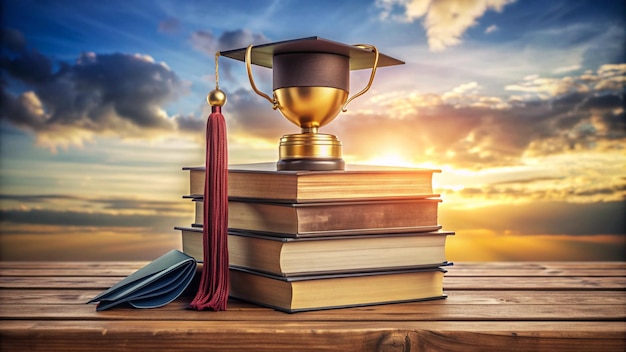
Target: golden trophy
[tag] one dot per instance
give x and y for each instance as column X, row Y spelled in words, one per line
column 311, row 84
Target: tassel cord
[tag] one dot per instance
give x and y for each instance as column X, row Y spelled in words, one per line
column 214, row 285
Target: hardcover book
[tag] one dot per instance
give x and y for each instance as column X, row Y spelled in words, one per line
column 263, row 181
column 318, row 292
column 282, row 256
column 330, row 218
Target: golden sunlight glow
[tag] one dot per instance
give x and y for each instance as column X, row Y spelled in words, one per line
column 108, row 244
column 253, row 142
column 484, row 245
column 391, row 158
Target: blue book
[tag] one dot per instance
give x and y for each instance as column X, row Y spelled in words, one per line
column 152, row 286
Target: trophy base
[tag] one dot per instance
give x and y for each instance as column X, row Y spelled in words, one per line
column 310, row 164
column 310, row 151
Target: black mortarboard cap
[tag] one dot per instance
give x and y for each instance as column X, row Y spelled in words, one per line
column 311, row 61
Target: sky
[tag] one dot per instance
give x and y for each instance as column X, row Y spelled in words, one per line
column 519, row 103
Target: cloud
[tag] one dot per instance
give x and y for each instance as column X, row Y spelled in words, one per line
column 445, row 21
column 71, row 211
column 467, row 129
column 606, row 46
column 205, row 41
column 79, row 203
column 609, row 77
column 77, row 218
column 491, row 29
column 189, row 123
column 169, row 25
column 120, row 95
column 548, row 87
column 583, row 188
column 251, row 116
column 566, row 69
column 545, row 218
column 29, row 66
column 12, row 39
column 99, row 94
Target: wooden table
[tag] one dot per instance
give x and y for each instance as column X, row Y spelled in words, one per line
column 491, row 307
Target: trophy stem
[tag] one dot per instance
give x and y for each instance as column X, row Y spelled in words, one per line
column 310, row 151
column 314, row 129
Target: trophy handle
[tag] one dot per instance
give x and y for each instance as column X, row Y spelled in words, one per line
column 248, row 60
column 369, row 84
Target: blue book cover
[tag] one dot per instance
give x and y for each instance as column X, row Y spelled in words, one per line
column 152, row 286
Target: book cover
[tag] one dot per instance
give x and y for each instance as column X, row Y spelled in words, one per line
column 154, row 285
column 320, row 292
column 284, row 256
column 330, row 218
column 263, row 181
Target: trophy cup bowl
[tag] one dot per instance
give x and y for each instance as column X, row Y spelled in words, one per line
column 311, row 84
column 310, row 107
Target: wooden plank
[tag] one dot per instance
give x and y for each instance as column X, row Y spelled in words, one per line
column 585, row 265
column 422, row 311
column 589, row 269
column 450, row 283
column 534, row 283
column 552, row 306
column 617, row 298
column 541, row 265
column 68, row 272
column 45, row 296
column 77, row 269
column 612, row 329
column 131, row 265
column 80, row 296
column 537, row 272
column 94, row 283
column 309, row 336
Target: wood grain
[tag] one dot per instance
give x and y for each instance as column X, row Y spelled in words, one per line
column 555, row 306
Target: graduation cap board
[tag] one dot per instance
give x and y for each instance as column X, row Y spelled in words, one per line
column 311, row 85
column 360, row 58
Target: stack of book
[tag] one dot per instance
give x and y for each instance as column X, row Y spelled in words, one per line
column 309, row 240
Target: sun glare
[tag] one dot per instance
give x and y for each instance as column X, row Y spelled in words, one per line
column 390, row 158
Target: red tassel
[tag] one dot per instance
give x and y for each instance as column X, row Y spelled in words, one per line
column 214, row 282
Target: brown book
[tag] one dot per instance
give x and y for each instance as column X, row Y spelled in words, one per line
column 324, row 255
column 336, row 291
column 332, row 218
column 263, row 181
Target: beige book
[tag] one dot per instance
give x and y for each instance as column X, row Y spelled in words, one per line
column 336, row 291
column 317, row 255
column 263, row 181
